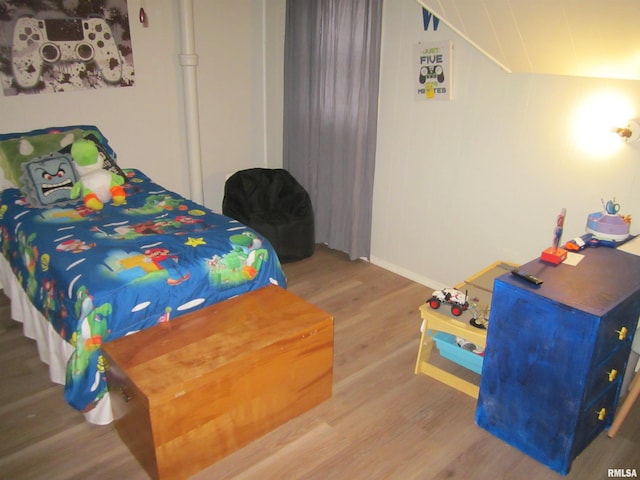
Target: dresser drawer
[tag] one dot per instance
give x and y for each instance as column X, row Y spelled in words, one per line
column 594, row 417
column 617, row 328
column 609, row 371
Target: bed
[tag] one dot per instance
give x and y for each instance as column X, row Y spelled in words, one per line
column 79, row 277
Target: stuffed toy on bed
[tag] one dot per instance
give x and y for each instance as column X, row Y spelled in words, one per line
column 96, row 184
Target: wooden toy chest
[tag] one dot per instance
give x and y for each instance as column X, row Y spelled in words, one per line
column 188, row 392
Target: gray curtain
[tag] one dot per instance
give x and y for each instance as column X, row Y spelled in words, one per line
column 331, row 74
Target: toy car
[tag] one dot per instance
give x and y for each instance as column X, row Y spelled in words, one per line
column 452, row 296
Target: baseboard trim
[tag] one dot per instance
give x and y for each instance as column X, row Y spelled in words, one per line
column 426, row 281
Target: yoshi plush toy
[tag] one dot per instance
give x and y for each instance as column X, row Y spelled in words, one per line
column 96, row 184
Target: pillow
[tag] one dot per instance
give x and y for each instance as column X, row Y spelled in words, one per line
column 47, row 180
column 19, row 148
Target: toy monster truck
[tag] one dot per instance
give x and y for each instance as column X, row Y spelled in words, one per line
column 452, row 296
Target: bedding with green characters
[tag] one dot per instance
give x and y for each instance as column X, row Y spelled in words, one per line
column 97, row 275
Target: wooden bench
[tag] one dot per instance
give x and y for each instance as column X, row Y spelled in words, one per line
column 188, row 392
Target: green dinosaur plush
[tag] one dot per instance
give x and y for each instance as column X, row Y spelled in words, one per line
column 97, row 185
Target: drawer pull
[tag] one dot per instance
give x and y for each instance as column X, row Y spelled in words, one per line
column 602, row 413
column 613, row 374
column 622, row 333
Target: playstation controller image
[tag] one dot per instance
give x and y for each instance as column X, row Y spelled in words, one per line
column 430, row 73
column 40, row 42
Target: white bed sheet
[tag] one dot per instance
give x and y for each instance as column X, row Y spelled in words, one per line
column 52, row 349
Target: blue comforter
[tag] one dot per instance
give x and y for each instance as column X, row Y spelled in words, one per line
column 100, row 275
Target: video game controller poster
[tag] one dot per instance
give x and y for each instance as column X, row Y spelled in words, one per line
column 433, row 72
column 61, row 46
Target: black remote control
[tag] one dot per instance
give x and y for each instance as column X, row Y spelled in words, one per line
column 527, row 277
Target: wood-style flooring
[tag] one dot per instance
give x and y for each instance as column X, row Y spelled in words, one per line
column 382, row 422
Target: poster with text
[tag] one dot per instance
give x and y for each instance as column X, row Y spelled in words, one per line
column 61, row 46
column 433, row 72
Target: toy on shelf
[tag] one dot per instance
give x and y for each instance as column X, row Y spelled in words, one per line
column 452, row 296
column 609, row 225
column 479, row 315
column 588, row 240
column 469, row 346
column 555, row 254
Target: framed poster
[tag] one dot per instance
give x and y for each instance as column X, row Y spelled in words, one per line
column 432, row 71
column 53, row 46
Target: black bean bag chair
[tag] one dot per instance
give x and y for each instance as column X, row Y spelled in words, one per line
column 272, row 202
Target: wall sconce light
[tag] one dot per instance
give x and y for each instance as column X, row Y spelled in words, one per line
column 630, row 133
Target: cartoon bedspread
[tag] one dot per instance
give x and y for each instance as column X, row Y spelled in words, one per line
column 99, row 275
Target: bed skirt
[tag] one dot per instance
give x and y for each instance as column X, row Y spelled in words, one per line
column 52, row 349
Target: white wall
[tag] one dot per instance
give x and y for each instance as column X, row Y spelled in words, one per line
column 462, row 183
column 274, row 89
column 239, row 58
column 145, row 123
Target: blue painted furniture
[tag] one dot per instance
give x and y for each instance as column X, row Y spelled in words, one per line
column 556, row 354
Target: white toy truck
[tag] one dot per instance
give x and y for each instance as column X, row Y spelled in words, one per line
column 452, row 296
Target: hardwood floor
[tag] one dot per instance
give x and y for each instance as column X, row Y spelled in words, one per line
column 382, row 422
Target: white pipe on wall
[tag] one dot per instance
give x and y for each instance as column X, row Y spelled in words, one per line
column 189, row 63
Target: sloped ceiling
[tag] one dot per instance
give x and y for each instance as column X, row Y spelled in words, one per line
column 592, row 38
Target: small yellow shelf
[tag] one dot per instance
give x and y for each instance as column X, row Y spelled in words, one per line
column 478, row 288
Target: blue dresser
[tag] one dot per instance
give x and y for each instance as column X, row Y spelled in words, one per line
column 556, row 354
